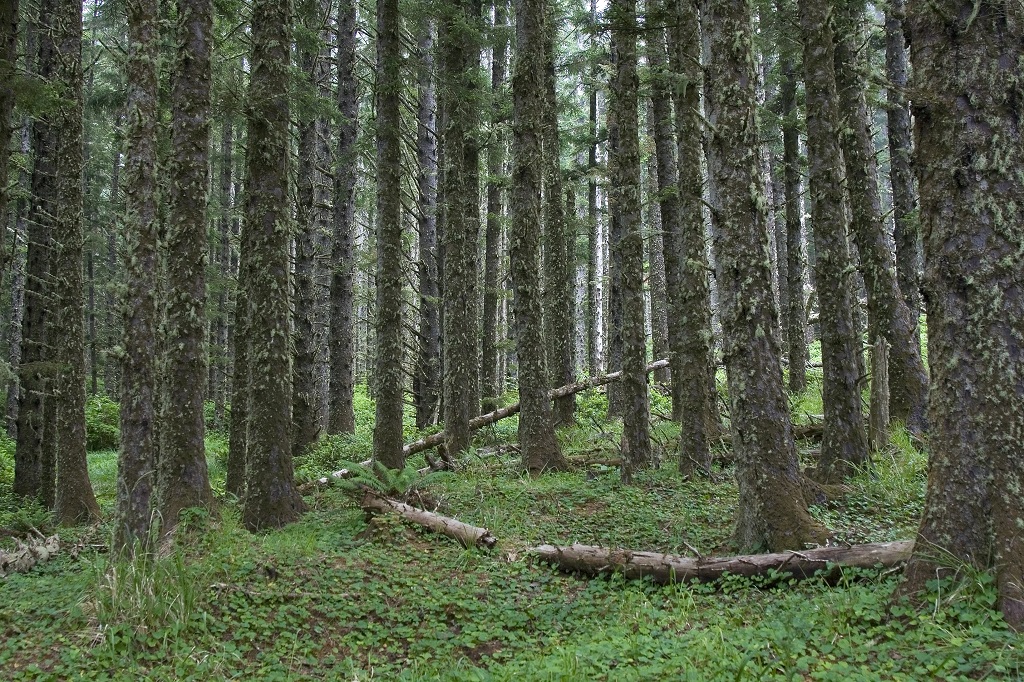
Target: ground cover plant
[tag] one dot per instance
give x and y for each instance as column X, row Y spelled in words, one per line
column 337, row 597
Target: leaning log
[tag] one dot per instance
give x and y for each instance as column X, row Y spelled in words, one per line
column 433, row 440
column 469, row 536
column 669, row 568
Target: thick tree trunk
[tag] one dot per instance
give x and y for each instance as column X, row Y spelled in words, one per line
column 8, row 59
column 387, row 432
column 182, row 477
column 624, row 176
column 426, row 382
column 536, row 426
column 489, row 379
column 314, row 223
column 772, row 510
column 906, row 226
column 271, row 498
column 845, row 441
column 467, row 535
column 342, row 334
column 888, row 314
column 970, row 161
column 137, row 458
column 686, row 273
column 459, row 56
column 670, row 568
column 558, row 253
column 74, row 501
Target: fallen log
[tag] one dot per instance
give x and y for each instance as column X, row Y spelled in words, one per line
column 669, row 568
column 27, row 555
column 469, row 536
column 435, row 439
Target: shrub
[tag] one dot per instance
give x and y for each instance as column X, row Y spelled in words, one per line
column 102, row 427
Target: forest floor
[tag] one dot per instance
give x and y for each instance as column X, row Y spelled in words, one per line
column 332, row 597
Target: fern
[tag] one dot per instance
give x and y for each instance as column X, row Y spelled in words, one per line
column 388, row 482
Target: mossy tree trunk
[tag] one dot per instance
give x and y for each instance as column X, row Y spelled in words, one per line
column 540, row 449
column 182, row 477
column 845, row 440
column 137, row 458
column 772, row 511
column 220, row 251
column 74, row 501
column 657, row 300
column 624, row 178
column 33, row 457
column 314, row 224
column 8, row 59
column 558, row 251
column 271, row 498
column 888, row 314
column 459, row 57
column 967, row 107
column 389, row 378
column 426, row 382
column 342, row 327
column 496, row 152
column 906, row 226
column 595, row 252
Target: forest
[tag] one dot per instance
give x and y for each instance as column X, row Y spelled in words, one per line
column 529, row 339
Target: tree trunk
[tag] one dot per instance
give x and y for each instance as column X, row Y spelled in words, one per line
column 271, row 498
column 182, row 477
column 112, row 316
column 845, row 442
column 666, row 569
column 970, row 161
column 906, row 226
column 624, row 176
column 74, row 501
column 658, row 299
column 888, row 314
column 314, row 216
column 772, row 511
column 878, row 419
column 387, row 432
column 467, row 535
column 342, row 334
column 137, row 457
column 558, row 252
column 796, row 321
column 536, row 427
column 490, row 384
column 19, row 255
column 595, row 260
column 8, row 65
column 219, row 326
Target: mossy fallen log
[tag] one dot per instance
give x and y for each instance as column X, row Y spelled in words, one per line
column 669, row 568
column 467, row 535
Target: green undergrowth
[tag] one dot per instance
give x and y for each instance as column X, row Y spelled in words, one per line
column 335, row 597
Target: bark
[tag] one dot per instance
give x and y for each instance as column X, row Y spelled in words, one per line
column 387, row 432
column 74, row 501
column 796, row 321
column 624, row 176
column 467, row 535
column 906, row 226
column 772, row 510
column 595, row 262
column 426, row 383
column 558, row 254
column 314, row 216
column 182, row 477
column 271, row 499
column 888, row 314
column 112, row 316
column 655, row 243
column 490, row 384
column 878, row 418
column 342, row 334
column 238, row 426
column 686, row 266
column 435, row 439
column 18, row 256
column 221, row 250
column 970, row 156
column 8, row 63
column 459, row 56
column 34, row 467
column 137, row 458
column 845, row 441
column 537, row 440
column 670, row 568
